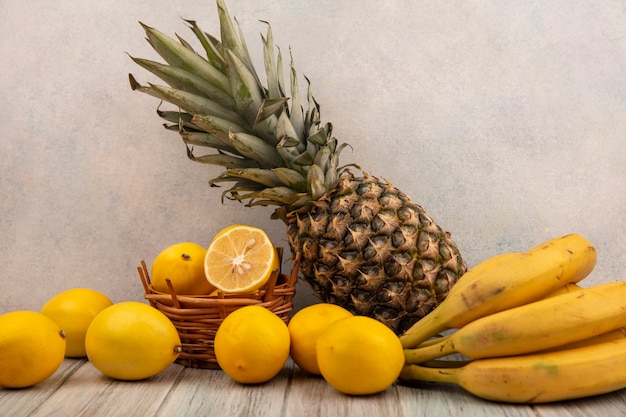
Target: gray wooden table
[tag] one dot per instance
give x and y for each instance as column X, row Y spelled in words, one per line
column 78, row 389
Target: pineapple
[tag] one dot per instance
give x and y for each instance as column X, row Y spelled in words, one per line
column 363, row 243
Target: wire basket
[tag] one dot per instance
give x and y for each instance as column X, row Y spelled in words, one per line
column 197, row 317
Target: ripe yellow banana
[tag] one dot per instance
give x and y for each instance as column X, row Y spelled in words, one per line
column 499, row 260
column 616, row 334
column 537, row 326
column 474, row 273
column 536, row 378
column 564, row 290
column 605, row 337
column 482, row 268
column 527, row 277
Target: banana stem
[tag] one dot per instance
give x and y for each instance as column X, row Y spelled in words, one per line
column 425, row 328
column 445, row 347
column 433, row 341
column 444, row 363
column 426, row 374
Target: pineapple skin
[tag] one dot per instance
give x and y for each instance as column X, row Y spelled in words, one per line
column 367, row 247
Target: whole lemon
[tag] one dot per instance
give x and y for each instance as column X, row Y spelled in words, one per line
column 252, row 345
column 73, row 311
column 183, row 265
column 359, row 355
column 306, row 326
column 32, row 348
column 131, row 340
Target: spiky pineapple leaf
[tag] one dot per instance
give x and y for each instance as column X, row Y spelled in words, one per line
column 192, row 103
column 304, row 159
column 279, row 72
column 291, row 178
column 249, row 96
column 184, row 43
column 256, row 149
column 257, row 175
column 320, row 137
column 322, row 159
column 273, row 196
column 184, row 80
column 270, row 107
column 181, row 120
column 206, row 140
column 312, row 118
column 271, row 70
column 285, row 129
column 212, row 52
column 296, row 116
column 315, row 181
column 231, row 39
column 239, row 190
column 244, row 88
column 287, row 148
column 220, row 159
column 178, row 55
column 218, row 126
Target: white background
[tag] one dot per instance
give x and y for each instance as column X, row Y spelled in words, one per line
column 506, row 120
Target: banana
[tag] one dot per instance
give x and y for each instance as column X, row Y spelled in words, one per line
column 571, row 287
column 475, row 272
column 481, row 268
column 536, row 378
column 505, row 257
column 527, row 277
column 540, row 325
column 604, row 337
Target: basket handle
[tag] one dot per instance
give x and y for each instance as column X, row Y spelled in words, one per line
column 271, row 283
column 145, row 280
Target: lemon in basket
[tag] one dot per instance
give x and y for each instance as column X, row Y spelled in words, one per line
column 252, row 344
column 183, row 265
column 306, row 326
column 359, row 355
column 32, row 347
column 131, row 341
column 239, row 259
column 73, row 311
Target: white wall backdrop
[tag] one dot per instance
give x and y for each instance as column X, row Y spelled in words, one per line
column 506, row 120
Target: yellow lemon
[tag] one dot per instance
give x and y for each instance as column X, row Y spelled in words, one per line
column 183, row 265
column 32, row 348
column 240, row 259
column 73, row 310
column 131, row 340
column 306, row 326
column 359, row 355
column 252, row 345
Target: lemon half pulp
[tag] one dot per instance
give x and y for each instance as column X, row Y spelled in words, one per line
column 240, row 259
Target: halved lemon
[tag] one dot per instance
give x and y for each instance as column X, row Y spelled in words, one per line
column 240, row 259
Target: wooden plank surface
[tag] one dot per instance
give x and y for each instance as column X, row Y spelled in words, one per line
column 78, row 389
column 609, row 405
column 23, row 402
column 89, row 393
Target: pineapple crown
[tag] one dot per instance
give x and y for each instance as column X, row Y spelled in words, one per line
column 275, row 152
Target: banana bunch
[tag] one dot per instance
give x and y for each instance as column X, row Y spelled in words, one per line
column 530, row 332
